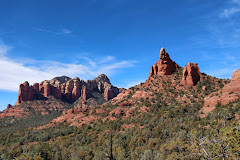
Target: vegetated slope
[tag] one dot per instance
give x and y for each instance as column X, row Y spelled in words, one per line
column 32, row 113
column 158, row 119
column 228, row 93
column 162, row 88
column 165, row 132
column 50, row 98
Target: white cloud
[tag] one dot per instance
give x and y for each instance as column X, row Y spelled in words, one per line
column 229, row 12
column 121, row 64
column 16, row 71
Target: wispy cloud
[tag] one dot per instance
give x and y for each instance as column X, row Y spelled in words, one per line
column 91, row 62
column 62, row 32
column 106, row 59
column 3, row 49
column 134, row 83
column 222, row 31
column 16, row 71
column 227, row 13
column 66, row 31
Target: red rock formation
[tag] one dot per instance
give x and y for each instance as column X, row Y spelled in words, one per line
column 76, row 89
column 84, row 95
column 23, row 93
column 36, row 87
column 191, row 74
column 236, row 76
column 108, row 94
column 46, row 89
column 56, row 92
column 31, row 93
column 67, row 89
column 229, row 93
column 164, row 66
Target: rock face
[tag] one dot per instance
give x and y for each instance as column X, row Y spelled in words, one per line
column 229, row 93
column 191, row 74
column 164, row 66
column 25, row 92
column 67, row 89
column 84, row 95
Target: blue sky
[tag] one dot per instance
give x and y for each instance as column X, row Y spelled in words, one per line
column 121, row 38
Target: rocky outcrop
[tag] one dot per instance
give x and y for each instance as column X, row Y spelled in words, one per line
column 191, row 74
column 9, row 106
column 164, row 66
column 67, row 89
column 110, row 92
column 25, row 93
column 229, row 93
column 76, row 90
column 84, row 95
column 56, row 92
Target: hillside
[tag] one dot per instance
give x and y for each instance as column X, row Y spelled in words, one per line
column 163, row 118
column 48, row 99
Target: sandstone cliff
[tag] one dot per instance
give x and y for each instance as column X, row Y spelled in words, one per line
column 67, row 89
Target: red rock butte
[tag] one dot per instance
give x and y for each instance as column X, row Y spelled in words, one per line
column 164, row 65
